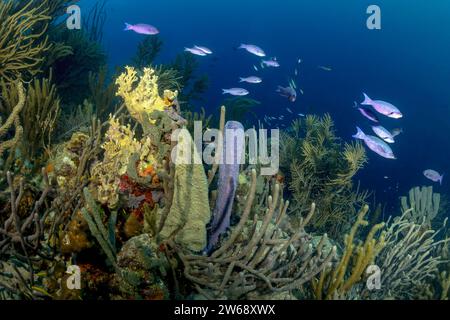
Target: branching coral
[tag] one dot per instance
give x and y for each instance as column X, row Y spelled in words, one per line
column 39, row 115
column 258, row 257
column 142, row 99
column 148, row 50
column 423, row 204
column 22, row 45
column 337, row 281
column 13, row 120
column 409, row 260
column 319, row 168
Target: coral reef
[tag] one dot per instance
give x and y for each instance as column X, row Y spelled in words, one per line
column 421, row 205
column 109, row 180
column 320, row 169
column 22, row 43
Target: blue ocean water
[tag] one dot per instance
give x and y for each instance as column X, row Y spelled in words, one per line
column 406, row 63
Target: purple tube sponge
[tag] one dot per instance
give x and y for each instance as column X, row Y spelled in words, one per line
column 232, row 155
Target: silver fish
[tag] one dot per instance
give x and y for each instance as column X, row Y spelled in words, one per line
column 195, row 51
column 433, row 175
column 375, row 144
column 204, row 49
column 251, row 79
column 235, row 91
column 257, row 51
column 383, row 107
column 383, row 133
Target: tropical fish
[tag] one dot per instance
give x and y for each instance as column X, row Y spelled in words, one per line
column 141, row 28
column 257, row 51
column 301, row 115
column 382, row 107
column 289, row 110
column 204, row 49
column 325, row 68
column 375, row 144
column 383, row 133
column 270, row 63
column 196, row 51
column 251, row 79
column 302, row 92
column 255, row 67
column 235, row 91
column 433, row 175
column 299, row 61
column 287, row 92
column 396, row 132
column 369, row 114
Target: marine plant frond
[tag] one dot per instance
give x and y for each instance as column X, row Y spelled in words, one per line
column 23, row 40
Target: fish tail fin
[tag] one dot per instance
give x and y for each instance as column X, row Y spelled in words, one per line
column 441, row 178
column 367, row 100
column 241, row 79
column 360, row 134
column 225, row 91
column 128, row 27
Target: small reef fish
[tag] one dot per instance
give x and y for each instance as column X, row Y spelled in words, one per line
column 141, row 28
column 257, row 51
column 383, row 107
column 235, row 92
column 289, row 110
column 302, row 92
column 196, row 51
column 273, row 63
column 251, row 79
column 433, row 175
column 301, row 115
column 375, row 144
column 299, row 61
column 287, row 92
column 325, row 68
column 292, row 84
column 368, row 113
column 396, row 132
column 255, row 67
column 204, row 49
column 383, row 133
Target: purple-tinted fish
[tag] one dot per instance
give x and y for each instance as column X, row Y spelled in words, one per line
column 287, row 92
column 433, row 175
column 141, row 28
column 196, row 51
column 271, row 63
column 257, row 51
column 383, row 133
column 383, row 107
column 204, row 49
column 251, row 79
column 375, row 144
column 368, row 113
column 235, row 91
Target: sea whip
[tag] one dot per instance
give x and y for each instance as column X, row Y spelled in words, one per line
column 233, row 148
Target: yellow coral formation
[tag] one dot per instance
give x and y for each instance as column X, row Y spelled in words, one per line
column 336, row 282
column 141, row 100
column 120, row 145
